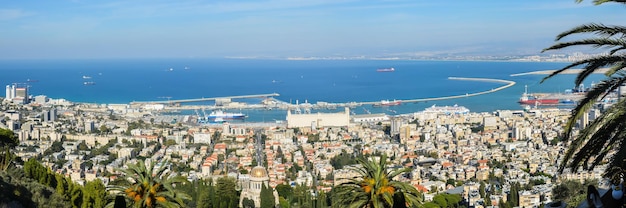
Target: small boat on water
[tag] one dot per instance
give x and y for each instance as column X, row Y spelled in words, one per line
column 386, row 69
column 89, row 83
column 86, row 77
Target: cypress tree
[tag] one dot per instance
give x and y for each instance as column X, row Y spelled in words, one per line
column 76, row 195
column 481, row 189
column 267, row 197
column 207, row 195
column 61, row 185
column 502, row 204
column 514, row 195
column 488, row 199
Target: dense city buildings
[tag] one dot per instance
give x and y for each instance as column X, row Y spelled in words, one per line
column 454, row 153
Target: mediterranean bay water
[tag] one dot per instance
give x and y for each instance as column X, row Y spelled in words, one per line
column 126, row 80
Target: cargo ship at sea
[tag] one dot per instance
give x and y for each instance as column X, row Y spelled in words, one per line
column 531, row 99
column 386, row 70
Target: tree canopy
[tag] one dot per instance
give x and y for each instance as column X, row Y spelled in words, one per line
column 152, row 185
column 375, row 187
column 8, row 138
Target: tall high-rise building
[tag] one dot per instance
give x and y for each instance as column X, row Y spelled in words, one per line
column 89, row 126
column 11, row 91
column 45, row 115
column 49, row 115
column 396, row 123
column 17, row 92
column 53, row 114
column 8, row 93
column 21, row 93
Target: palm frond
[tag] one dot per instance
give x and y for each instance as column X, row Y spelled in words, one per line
column 597, row 63
column 151, row 185
column 619, row 158
column 374, row 187
column 614, row 51
column 593, row 42
column 597, row 92
column 606, row 134
column 590, row 66
column 596, row 28
column 598, row 136
column 598, row 2
column 596, row 139
column 162, row 168
column 616, row 68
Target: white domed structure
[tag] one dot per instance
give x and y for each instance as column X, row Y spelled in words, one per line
column 251, row 185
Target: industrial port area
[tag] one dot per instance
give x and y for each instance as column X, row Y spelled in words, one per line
column 217, row 110
column 170, row 110
column 271, row 102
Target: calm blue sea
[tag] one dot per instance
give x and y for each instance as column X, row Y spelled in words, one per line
column 123, row 81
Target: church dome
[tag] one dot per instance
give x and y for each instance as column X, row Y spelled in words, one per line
column 258, row 172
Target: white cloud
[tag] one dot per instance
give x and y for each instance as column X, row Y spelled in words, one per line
column 122, row 9
column 11, row 14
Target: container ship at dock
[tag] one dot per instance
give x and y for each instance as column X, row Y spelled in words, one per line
column 223, row 115
column 220, row 117
column 531, row 99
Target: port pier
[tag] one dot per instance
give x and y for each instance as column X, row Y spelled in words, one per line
column 270, row 102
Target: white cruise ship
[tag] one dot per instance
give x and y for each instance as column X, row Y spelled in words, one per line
column 446, row 109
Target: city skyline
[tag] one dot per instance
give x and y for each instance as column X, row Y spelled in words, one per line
column 278, row 28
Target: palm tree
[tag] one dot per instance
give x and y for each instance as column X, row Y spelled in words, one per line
column 151, row 186
column 375, row 187
column 606, row 134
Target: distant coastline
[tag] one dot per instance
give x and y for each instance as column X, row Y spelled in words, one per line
column 568, row 71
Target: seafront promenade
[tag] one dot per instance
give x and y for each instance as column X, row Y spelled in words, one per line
column 273, row 103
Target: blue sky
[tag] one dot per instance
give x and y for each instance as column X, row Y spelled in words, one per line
column 287, row 28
